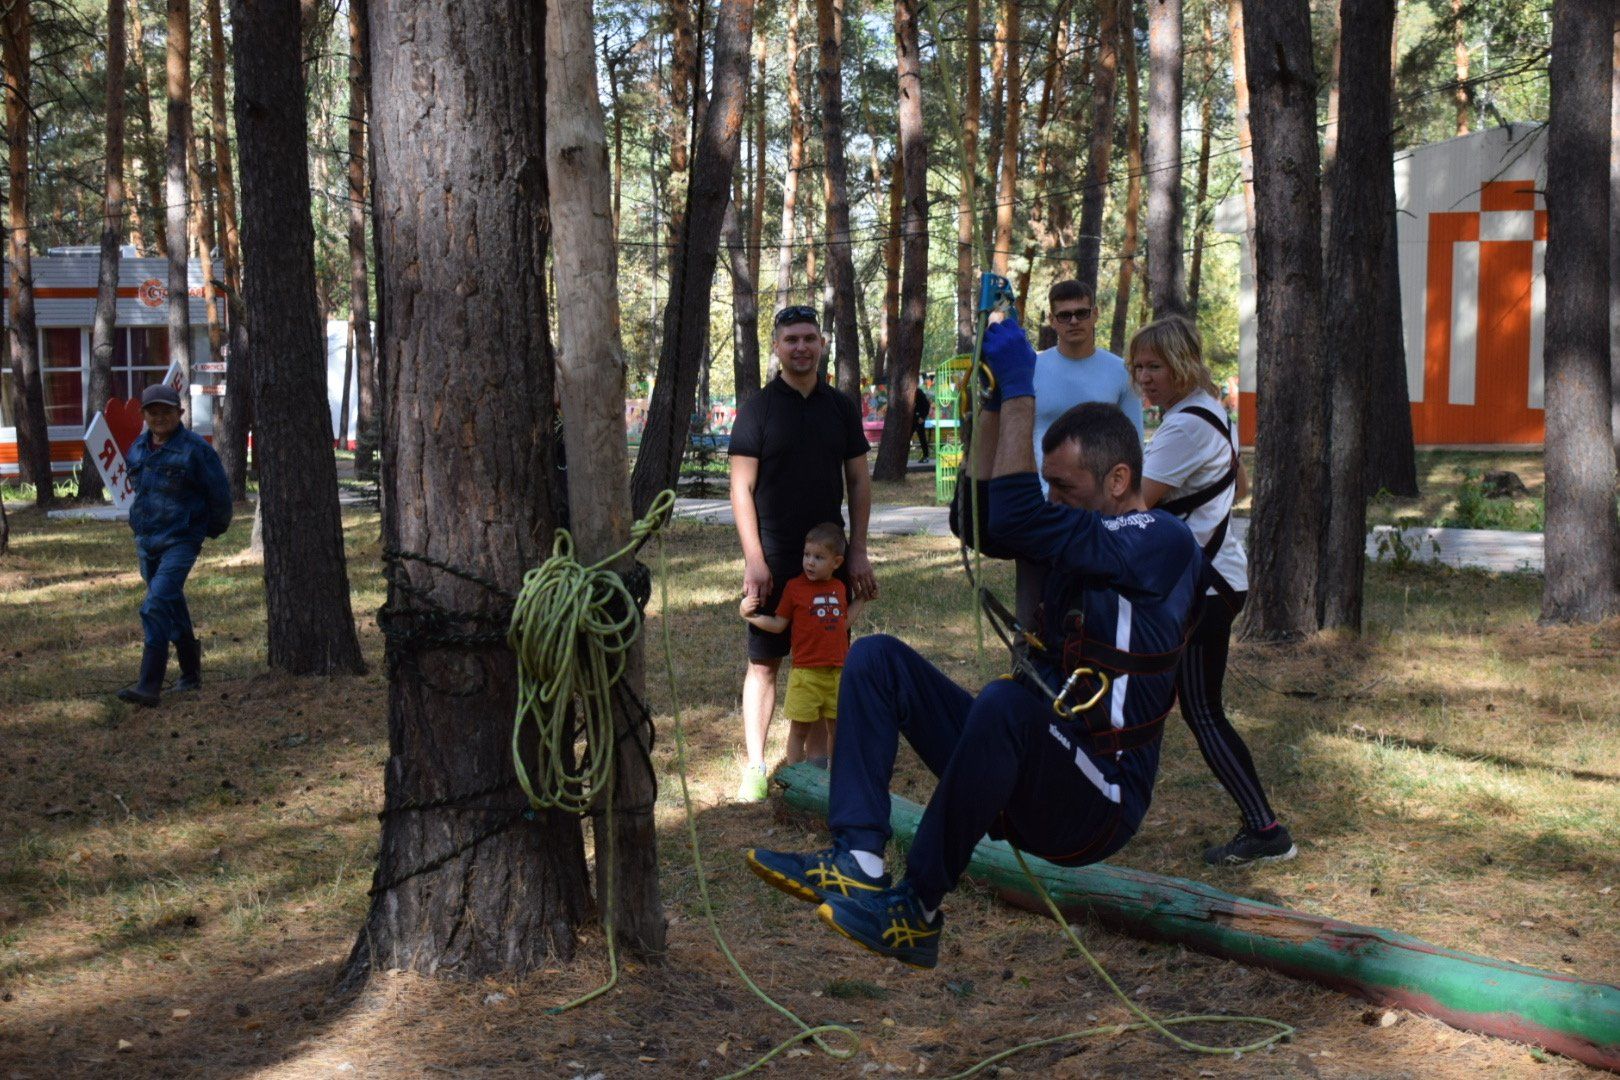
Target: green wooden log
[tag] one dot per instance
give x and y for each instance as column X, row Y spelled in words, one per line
column 1580, row 1020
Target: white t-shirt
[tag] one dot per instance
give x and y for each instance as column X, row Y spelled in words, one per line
column 1189, row 455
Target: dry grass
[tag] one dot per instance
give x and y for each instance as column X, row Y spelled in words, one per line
column 189, row 880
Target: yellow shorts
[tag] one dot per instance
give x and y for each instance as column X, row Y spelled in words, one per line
column 812, row 694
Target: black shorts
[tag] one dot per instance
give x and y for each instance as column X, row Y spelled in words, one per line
column 784, row 567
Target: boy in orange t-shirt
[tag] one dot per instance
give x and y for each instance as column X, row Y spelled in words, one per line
column 816, row 606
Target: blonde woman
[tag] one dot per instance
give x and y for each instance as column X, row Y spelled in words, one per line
column 1192, row 469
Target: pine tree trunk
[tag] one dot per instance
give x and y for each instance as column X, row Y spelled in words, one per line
column 1133, row 196
column 151, row 186
column 174, row 182
column 1206, row 118
column 1012, row 113
column 905, row 357
column 1100, row 152
column 840, row 261
column 27, row 382
column 686, row 315
column 745, row 309
column 231, row 441
column 891, row 268
column 1041, row 237
column 685, row 88
column 465, row 340
column 1240, row 94
column 112, row 234
column 1291, row 444
column 1614, row 242
column 1583, row 536
column 233, row 413
column 966, row 270
column 1354, row 266
column 1459, row 48
column 230, row 243
column 202, row 246
column 359, row 291
column 310, row 626
column 756, row 206
column 1166, row 267
column 591, row 379
column 790, row 182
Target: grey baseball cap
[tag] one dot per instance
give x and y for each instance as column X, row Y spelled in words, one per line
column 160, row 394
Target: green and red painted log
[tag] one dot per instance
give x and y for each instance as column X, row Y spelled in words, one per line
column 1561, row 1013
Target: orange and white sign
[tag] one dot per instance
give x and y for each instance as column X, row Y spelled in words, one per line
column 109, row 459
column 153, row 293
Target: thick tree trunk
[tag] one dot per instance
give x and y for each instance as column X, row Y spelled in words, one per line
column 1614, row 242
column 1391, row 457
column 1206, row 118
column 745, row 309
column 150, row 155
column 891, row 268
column 591, row 379
column 1292, row 441
column 1104, row 83
column 27, row 383
column 1166, row 267
column 686, row 315
column 1012, row 116
column 230, row 243
column 112, row 234
column 231, row 440
column 1583, row 536
column 1133, row 197
column 967, row 195
column 310, row 626
column 359, row 292
column 840, row 260
column 174, row 181
column 468, row 407
column 1355, row 266
column 790, row 182
column 905, row 355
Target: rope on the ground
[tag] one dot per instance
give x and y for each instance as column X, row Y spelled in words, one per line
column 572, row 627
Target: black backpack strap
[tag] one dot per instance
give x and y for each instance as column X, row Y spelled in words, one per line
column 1188, row 503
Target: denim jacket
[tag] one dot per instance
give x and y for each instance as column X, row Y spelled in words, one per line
column 181, row 493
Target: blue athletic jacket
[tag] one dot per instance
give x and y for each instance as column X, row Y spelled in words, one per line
column 181, row 493
column 1135, row 578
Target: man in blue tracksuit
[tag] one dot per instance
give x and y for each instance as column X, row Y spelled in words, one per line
column 181, row 496
column 1060, row 758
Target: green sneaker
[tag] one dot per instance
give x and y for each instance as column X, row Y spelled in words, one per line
column 890, row 923
column 752, row 787
column 816, row 876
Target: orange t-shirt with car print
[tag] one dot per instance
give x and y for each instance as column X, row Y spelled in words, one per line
column 818, row 619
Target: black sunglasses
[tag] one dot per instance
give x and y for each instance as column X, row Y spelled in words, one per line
column 1077, row 315
column 796, row 314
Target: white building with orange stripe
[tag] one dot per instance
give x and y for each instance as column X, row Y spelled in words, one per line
column 64, row 310
column 1472, row 232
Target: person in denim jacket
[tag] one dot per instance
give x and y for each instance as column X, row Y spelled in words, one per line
column 181, row 497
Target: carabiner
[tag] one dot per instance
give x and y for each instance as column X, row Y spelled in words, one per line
column 1067, row 711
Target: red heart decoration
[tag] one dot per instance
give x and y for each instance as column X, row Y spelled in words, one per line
column 124, row 421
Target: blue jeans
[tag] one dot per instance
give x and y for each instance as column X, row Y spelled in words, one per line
column 164, row 614
column 1001, row 769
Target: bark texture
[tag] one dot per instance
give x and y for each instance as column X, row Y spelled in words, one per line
column 466, row 399
column 790, row 182
column 1100, row 151
column 840, row 260
column 686, row 315
column 310, row 626
column 1291, row 443
column 359, row 291
column 1362, row 209
column 27, row 384
column 1133, row 201
column 966, row 270
column 591, row 377
column 905, row 359
column 1012, row 115
column 112, row 235
column 744, row 307
column 1166, row 268
column 175, row 187
column 1583, row 536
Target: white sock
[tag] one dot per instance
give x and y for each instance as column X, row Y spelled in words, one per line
column 929, row 913
column 871, row 864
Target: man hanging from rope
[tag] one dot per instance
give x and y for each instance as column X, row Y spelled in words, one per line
column 1060, row 757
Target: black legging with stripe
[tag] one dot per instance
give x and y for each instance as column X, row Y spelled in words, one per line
column 1203, row 671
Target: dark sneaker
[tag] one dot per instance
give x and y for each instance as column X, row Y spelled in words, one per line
column 890, row 923
column 815, row 876
column 1247, row 847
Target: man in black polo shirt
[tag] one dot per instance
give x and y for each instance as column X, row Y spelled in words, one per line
column 796, row 447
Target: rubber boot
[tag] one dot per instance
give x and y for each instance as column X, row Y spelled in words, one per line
column 189, row 653
column 148, row 690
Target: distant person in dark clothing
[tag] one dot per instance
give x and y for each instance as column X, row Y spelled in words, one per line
column 181, row 497
column 920, row 408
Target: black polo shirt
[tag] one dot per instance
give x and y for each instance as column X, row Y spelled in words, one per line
column 802, row 443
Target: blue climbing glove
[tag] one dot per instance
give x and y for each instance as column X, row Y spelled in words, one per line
column 1010, row 359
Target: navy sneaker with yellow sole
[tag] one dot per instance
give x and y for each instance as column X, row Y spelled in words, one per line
column 890, row 923
column 815, row 876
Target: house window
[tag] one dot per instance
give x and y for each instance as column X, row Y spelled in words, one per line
column 62, row 364
column 140, row 357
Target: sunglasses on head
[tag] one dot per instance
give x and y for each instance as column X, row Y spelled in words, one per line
column 798, row 313
column 1077, row 315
